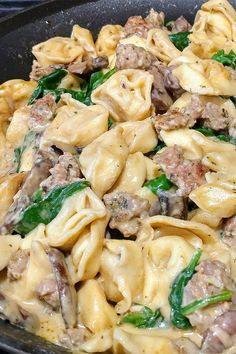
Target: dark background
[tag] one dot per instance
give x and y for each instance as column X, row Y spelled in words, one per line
column 12, row 6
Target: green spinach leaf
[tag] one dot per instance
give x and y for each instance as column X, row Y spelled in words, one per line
column 177, row 290
column 212, row 133
column 144, row 319
column 47, row 83
column 157, row 148
column 158, row 184
column 110, row 123
column 226, row 59
column 180, row 39
column 45, row 209
column 29, row 139
column 200, row 304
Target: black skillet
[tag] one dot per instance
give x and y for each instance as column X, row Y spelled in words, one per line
column 55, row 18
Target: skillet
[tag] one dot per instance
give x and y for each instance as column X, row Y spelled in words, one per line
column 18, row 33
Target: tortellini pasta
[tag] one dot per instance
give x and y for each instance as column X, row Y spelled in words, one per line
column 217, row 196
column 195, row 233
column 84, row 38
column 142, row 342
column 122, row 282
column 198, row 146
column 139, row 136
column 18, row 127
column 76, row 216
column 126, row 95
column 94, row 310
column 108, row 39
column 163, row 260
column 103, row 160
column 8, row 246
column 84, row 261
column 63, row 50
column 13, row 95
column 9, row 186
column 58, row 50
column 203, row 76
column 159, row 44
column 62, row 133
column 133, row 175
column 213, row 29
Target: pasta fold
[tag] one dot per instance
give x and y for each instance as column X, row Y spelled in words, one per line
column 108, row 39
column 126, row 95
column 122, row 272
column 194, row 232
column 94, row 311
column 84, row 38
column 203, row 76
column 9, row 186
column 140, row 136
column 76, row 125
column 164, row 259
column 103, row 160
column 85, row 258
column 159, row 44
column 58, row 50
column 128, row 341
column 18, row 127
column 8, row 246
column 217, row 196
column 133, row 175
column 75, row 219
column 213, row 29
column 14, row 94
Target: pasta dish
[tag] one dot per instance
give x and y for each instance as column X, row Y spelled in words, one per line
column 118, row 187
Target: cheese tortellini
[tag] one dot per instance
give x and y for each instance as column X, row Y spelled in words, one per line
column 126, row 95
column 103, row 160
column 214, row 29
column 108, row 39
column 63, row 50
column 203, row 76
column 159, row 44
column 14, row 94
column 62, row 133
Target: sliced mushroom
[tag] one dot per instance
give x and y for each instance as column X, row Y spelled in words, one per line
column 66, row 290
column 170, row 204
column 44, row 160
column 221, row 335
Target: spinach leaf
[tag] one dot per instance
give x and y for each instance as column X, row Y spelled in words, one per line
column 180, row 39
column 47, row 83
column 28, row 140
column 226, row 59
column 144, row 319
column 212, row 133
column 46, row 209
column 200, row 304
column 110, row 123
column 177, row 290
column 205, row 131
column 157, row 148
column 158, row 184
column 169, row 24
column 37, row 195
